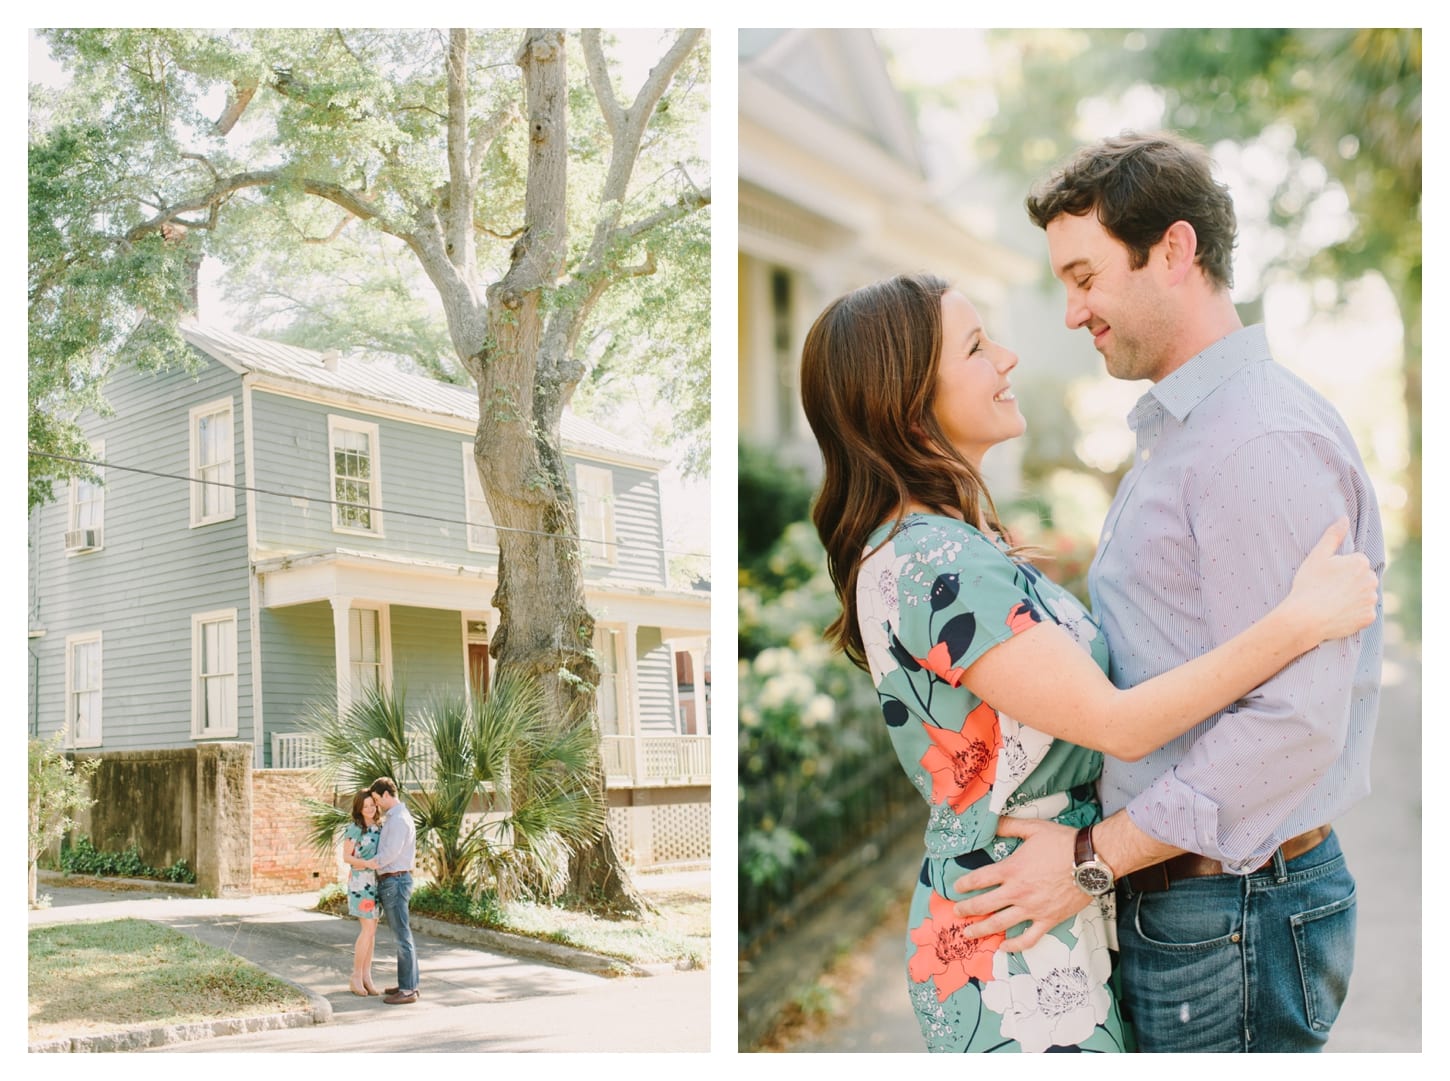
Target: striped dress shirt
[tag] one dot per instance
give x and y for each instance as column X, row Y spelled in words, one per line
column 1240, row 467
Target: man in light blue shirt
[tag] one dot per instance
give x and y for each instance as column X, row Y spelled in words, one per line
column 397, row 847
column 1236, row 912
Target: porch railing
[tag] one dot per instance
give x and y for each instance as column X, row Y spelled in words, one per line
column 663, row 759
column 651, row 760
column 302, row 750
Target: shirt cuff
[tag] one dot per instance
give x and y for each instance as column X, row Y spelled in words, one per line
column 1177, row 814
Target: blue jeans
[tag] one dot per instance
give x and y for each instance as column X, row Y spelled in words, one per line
column 394, row 892
column 1258, row 962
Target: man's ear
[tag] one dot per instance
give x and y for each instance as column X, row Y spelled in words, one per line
column 1179, row 247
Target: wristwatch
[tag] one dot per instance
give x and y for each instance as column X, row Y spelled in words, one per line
column 1091, row 874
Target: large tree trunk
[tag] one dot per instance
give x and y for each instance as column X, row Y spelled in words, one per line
column 545, row 631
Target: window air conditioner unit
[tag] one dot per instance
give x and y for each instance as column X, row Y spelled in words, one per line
column 82, row 540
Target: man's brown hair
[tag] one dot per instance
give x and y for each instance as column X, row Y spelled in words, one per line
column 383, row 784
column 1139, row 185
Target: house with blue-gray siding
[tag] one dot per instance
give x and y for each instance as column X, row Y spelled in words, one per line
column 277, row 527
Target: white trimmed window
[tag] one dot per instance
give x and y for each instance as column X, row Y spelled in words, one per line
column 87, row 506
column 214, row 674
column 367, row 650
column 83, row 689
column 356, row 476
column 595, row 493
column 482, row 536
column 212, row 497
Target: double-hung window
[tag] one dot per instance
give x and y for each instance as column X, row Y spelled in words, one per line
column 214, row 674
column 482, row 536
column 356, row 476
column 83, row 689
column 595, row 493
column 213, row 499
column 87, row 506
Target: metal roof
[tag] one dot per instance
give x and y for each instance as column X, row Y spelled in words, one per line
column 381, row 381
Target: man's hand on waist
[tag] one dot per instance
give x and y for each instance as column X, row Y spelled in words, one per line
column 1033, row 885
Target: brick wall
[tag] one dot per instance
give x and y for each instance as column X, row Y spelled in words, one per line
column 283, row 859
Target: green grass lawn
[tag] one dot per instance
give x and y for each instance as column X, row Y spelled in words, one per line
column 679, row 931
column 100, row 977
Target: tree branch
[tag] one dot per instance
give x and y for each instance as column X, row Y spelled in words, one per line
column 626, row 147
column 598, row 69
column 226, row 187
column 459, row 222
column 241, row 97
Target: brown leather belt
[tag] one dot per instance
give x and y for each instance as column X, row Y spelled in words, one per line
column 390, row 874
column 1158, row 877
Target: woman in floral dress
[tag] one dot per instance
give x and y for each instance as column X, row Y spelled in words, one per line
column 359, row 849
column 992, row 679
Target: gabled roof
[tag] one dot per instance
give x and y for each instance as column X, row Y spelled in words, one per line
column 385, row 383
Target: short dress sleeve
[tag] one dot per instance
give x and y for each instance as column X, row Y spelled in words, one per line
column 932, row 601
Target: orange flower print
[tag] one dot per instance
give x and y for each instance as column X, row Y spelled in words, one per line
column 1024, row 616
column 365, row 905
column 963, row 764
column 945, row 954
column 939, row 663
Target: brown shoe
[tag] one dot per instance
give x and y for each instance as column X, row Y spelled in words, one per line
column 394, row 991
column 400, row 998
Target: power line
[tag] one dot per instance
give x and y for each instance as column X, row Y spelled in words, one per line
column 362, row 506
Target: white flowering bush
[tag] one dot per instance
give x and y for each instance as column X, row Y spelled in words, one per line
column 809, row 719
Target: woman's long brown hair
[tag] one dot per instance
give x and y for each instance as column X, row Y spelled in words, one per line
column 358, row 816
column 868, row 380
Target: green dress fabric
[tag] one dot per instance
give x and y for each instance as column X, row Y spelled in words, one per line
column 362, row 885
column 931, row 601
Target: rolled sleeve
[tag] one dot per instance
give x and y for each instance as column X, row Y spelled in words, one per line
column 1255, row 518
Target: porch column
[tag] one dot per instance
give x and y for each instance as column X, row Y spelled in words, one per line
column 342, row 651
column 629, row 674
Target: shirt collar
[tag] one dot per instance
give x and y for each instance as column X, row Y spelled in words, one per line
column 1205, row 372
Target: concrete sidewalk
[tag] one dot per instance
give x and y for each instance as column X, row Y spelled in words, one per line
column 473, row 999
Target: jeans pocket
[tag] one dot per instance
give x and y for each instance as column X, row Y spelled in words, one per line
column 1176, row 923
column 1324, row 945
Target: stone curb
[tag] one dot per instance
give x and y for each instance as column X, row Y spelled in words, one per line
column 534, row 949
column 550, row 952
column 140, row 1037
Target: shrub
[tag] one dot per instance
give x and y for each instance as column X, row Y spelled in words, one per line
column 457, row 904
column 81, row 857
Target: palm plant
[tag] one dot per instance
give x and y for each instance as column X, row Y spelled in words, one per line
column 499, row 796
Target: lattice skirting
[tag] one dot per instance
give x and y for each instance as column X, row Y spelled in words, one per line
column 653, row 831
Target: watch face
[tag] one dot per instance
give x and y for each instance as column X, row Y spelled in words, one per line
column 1093, row 879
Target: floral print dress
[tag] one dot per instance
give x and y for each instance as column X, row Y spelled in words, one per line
column 362, row 885
column 931, row 601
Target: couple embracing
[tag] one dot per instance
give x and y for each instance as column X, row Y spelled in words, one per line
column 1129, row 843
column 379, row 846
